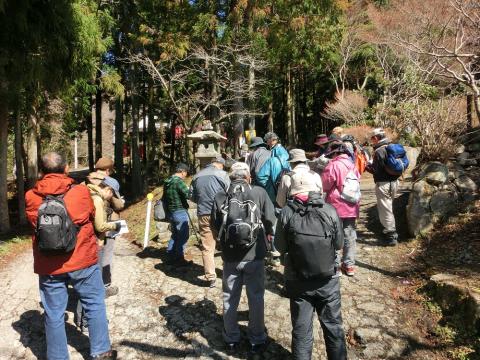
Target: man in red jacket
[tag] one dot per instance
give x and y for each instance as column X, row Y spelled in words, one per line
column 78, row 267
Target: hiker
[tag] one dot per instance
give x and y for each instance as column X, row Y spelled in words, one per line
column 176, row 195
column 244, row 153
column 386, row 186
column 259, row 155
column 300, row 180
column 308, row 234
column 205, row 185
column 104, row 168
column 271, row 172
column 341, row 183
column 243, row 219
column 321, row 142
column 359, row 155
column 66, row 255
column 102, row 195
column 319, row 163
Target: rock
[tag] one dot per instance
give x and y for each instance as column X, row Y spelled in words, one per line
column 466, row 187
column 365, row 335
column 469, row 162
column 463, row 156
column 419, row 217
column 475, row 147
column 444, row 202
column 454, row 170
column 412, row 154
column 453, row 297
column 460, row 149
column 434, row 173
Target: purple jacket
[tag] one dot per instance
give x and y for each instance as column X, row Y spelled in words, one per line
column 332, row 179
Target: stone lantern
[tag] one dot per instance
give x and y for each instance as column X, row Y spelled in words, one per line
column 207, row 143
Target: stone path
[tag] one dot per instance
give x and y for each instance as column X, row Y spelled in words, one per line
column 164, row 313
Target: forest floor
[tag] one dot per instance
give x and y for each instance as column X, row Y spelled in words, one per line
column 163, row 312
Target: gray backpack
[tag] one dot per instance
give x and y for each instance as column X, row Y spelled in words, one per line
column 56, row 233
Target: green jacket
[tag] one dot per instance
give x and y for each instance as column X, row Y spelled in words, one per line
column 175, row 194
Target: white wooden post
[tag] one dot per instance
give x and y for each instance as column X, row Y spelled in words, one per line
column 147, row 222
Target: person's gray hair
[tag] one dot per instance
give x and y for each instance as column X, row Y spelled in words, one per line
column 270, row 136
column 53, row 163
column 239, row 174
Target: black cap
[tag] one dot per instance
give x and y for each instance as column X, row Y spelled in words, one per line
column 182, row 167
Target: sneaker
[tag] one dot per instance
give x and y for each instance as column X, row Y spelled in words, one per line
column 211, row 283
column 390, row 239
column 109, row 355
column 111, row 291
column 257, row 349
column 338, row 273
column 231, row 348
column 274, row 261
column 275, row 254
column 349, row 270
column 390, row 242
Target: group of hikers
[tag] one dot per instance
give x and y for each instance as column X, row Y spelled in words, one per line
column 285, row 206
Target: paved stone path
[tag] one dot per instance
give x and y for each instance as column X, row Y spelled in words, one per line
column 166, row 313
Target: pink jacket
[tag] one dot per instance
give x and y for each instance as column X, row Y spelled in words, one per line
column 332, row 179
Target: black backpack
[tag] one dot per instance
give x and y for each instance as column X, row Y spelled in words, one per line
column 310, row 241
column 55, row 232
column 241, row 221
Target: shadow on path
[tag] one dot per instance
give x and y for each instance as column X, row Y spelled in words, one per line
column 393, row 274
column 184, row 317
column 156, row 350
column 30, row 326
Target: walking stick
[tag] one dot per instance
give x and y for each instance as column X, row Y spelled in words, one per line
column 199, row 242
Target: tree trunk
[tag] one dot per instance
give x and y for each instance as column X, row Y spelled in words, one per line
column 270, row 116
column 143, row 153
column 251, row 96
column 151, row 134
column 290, row 111
column 476, row 102
column 22, row 219
column 98, row 123
column 4, row 215
column 89, row 121
column 119, row 140
column 172, row 144
column 137, row 184
column 32, row 151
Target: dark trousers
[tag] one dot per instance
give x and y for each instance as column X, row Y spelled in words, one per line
column 325, row 300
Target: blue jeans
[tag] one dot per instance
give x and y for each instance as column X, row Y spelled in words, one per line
column 180, row 234
column 53, row 293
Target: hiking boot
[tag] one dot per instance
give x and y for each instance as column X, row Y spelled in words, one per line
column 109, row 355
column 275, row 254
column 256, row 350
column 111, row 291
column 231, row 348
column 391, row 239
column 273, row 261
column 349, row 270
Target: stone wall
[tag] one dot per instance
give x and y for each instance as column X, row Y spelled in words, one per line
column 440, row 188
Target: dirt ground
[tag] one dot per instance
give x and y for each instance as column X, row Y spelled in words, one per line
column 163, row 312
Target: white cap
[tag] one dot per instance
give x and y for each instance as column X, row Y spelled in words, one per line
column 378, row 131
column 239, row 166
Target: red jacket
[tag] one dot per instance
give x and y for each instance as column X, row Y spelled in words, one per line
column 80, row 208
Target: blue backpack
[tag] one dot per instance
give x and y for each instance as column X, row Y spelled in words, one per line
column 397, row 160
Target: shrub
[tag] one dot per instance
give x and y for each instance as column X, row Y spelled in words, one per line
column 347, row 109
